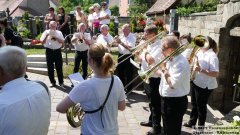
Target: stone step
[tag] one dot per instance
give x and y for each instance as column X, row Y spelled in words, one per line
column 42, row 71
column 42, row 58
column 37, row 64
column 38, row 58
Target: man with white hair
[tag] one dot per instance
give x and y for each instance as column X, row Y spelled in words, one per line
column 53, row 40
column 25, row 106
column 81, row 42
column 126, row 42
column 105, row 38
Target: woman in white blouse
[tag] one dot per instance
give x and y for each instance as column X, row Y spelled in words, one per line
column 204, row 82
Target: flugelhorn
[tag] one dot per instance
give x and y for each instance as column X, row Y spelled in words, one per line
column 146, row 74
column 199, row 41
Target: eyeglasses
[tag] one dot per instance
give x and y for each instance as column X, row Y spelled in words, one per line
column 103, row 5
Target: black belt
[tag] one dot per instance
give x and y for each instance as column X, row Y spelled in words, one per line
column 53, row 49
column 174, row 97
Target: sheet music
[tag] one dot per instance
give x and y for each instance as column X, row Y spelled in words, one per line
column 135, row 64
column 75, row 78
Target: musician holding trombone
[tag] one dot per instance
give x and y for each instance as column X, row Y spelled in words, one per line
column 81, row 41
column 125, row 42
column 91, row 94
column 149, row 56
column 174, row 86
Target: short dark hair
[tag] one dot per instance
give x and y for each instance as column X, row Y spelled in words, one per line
column 4, row 22
column 151, row 29
column 176, row 33
column 50, row 9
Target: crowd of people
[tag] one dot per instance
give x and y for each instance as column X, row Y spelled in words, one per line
column 166, row 89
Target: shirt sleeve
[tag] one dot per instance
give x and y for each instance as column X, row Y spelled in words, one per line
column 214, row 63
column 79, row 93
column 122, row 95
column 43, row 35
column 61, row 35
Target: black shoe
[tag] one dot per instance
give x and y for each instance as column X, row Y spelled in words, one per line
column 53, row 85
column 61, row 85
column 146, row 124
column 188, row 124
column 154, row 132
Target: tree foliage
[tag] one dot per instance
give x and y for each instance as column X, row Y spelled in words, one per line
column 138, row 7
column 69, row 5
column 114, row 10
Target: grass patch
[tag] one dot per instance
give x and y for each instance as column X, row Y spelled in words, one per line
column 67, row 69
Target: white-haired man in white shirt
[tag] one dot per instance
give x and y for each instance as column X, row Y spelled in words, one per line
column 25, row 106
column 105, row 38
column 53, row 40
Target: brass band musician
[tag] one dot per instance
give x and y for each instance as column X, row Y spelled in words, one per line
column 150, row 55
column 204, row 82
column 81, row 42
column 105, row 38
column 125, row 42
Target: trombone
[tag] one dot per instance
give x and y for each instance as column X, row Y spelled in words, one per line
column 199, row 41
column 141, row 46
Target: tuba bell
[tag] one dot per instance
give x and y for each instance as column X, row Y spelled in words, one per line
column 75, row 115
column 199, row 42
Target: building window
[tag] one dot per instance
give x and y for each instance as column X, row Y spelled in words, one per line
column 129, row 2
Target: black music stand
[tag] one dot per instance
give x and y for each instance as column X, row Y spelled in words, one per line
column 236, row 94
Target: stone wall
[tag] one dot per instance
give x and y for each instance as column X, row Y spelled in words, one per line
column 220, row 26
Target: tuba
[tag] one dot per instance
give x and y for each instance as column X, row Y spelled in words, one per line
column 199, row 42
column 75, row 115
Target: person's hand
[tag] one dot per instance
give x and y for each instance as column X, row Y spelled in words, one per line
column 163, row 66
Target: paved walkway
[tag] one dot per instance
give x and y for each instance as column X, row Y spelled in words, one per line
column 137, row 110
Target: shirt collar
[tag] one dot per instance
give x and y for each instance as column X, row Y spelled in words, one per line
column 14, row 83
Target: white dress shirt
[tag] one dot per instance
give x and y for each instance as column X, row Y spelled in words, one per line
column 104, row 13
column 105, row 40
column 50, row 43
column 209, row 61
column 179, row 71
column 156, row 53
column 25, row 108
column 81, row 46
column 130, row 41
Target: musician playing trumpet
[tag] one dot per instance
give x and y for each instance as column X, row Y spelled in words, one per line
column 125, row 42
column 105, row 38
column 81, row 42
column 150, row 55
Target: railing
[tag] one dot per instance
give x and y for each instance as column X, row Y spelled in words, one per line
column 67, row 46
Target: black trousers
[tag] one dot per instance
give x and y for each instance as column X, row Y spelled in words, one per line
column 81, row 56
column 125, row 70
column 54, row 58
column 152, row 91
column 173, row 110
column 199, row 99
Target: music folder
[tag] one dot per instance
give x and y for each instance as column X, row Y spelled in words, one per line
column 75, row 78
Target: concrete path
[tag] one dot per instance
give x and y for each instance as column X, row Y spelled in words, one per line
column 137, row 110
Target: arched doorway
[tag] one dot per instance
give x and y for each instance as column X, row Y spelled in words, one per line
column 229, row 61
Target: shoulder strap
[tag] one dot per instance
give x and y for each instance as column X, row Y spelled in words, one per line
column 102, row 106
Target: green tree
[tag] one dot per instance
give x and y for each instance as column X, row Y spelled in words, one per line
column 138, row 7
column 114, row 10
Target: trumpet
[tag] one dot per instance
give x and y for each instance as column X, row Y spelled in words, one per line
column 141, row 46
column 199, row 42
